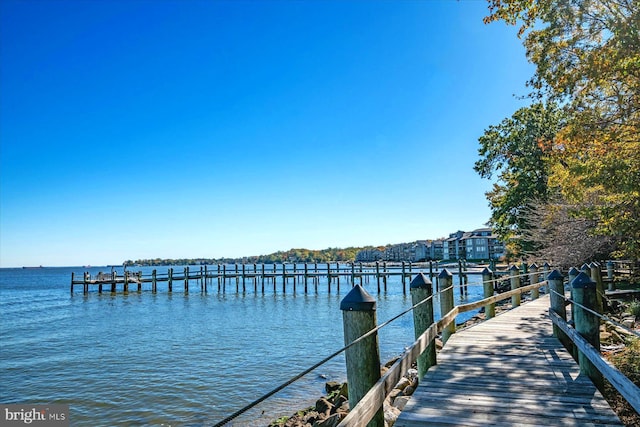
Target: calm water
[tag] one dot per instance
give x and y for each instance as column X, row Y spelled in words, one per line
column 176, row 359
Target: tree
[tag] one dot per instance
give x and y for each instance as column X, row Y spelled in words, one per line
column 587, row 58
column 515, row 151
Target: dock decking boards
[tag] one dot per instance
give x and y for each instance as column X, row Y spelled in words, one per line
column 507, row 371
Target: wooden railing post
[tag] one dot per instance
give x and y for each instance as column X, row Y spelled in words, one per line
column 421, row 289
column 515, row 284
column 487, row 283
column 556, row 286
column 362, row 359
column 612, row 284
column 596, row 276
column 546, row 270
column 533, row 278
column 446, row 302
column 586, row 323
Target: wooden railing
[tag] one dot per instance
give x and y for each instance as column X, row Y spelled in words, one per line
column 575, row 339
column 371, row 403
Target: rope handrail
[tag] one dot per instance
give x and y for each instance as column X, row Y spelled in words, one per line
column 323, row 361
column 601, row 316
column 508, row 276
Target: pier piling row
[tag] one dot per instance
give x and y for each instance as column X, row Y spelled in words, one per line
column 220, row 276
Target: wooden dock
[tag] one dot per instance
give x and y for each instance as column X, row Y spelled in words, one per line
column 507, row 371
column 257, row 275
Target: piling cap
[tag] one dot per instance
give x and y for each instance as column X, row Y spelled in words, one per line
column 420, row 281
column 609, row 263
column 582, row 280
column 594, row 265
column 514, row 268
column 445, row 274
column 573, row 271
column 555, row 275
column 584, row 267
column 358, row 300
column 486, row 271
column 546, row 265
column 534, row 265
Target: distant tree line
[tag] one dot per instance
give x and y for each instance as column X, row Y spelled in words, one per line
column 292, row 255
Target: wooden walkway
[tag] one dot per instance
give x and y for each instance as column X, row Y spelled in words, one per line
column 507, row 371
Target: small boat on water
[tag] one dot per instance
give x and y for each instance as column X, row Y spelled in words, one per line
column 29, row 268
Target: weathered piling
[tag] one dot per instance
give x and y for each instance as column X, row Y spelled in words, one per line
column 363, row 358
column 446, row 302
column 612, row 283
column 533, row 278
column 421, row 289
column 556, row 287
column 487, row 285
column 596, row 276
column 587, row 323
column 515, row 284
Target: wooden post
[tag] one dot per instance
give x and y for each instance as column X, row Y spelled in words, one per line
column 430, row 270
column 556, row 286
column 533, row 278
column 126, row 282
column 262, row 267
column 546, row 270
column 170, row 279
column 114, row 279
column 487, row 284
column 421, row 289
column 186, row 279
column 224, row 277
column 353, row 274
column 206, row 274
column 384, row 277
column 72, row 278
column 362, row 359
column 378, row 274
column 403, row 279
column 306, row 277
column 446, row 302
column 596, row 276
column 235, row 265
column 587, row 323
column 612, row 284
column 515, row 284
column 244, row 284
column 460, row 278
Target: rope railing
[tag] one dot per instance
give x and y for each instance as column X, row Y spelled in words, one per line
column 600, row 315
column 323, row 361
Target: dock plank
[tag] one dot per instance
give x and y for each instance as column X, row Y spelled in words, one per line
column 507, row 371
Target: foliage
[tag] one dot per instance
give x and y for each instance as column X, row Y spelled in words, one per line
column 587, row 58
column 514, row 150
column 292, row 255
column 634, row 308
column 562, row 237
column 627, row 362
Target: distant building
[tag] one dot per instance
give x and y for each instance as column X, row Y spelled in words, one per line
column 479, row 244
column 369, row 255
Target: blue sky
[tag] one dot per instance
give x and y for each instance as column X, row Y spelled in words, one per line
column 143, row 129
